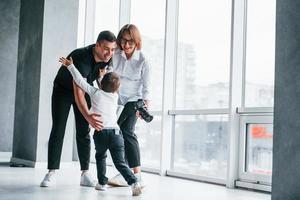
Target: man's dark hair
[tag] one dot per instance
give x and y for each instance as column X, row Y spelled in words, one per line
column 106, row 35
column 110, row 82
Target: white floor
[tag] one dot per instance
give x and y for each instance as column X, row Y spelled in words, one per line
column 23, row 183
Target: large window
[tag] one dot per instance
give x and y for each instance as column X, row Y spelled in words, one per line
column 200, row 145
column 106, row 16
column 196, row 43
column 149, row 17
column 256, row 124
column 149, row 140
column 203, row 54
column 81, row 24
column 260, row 53
column 202, row 83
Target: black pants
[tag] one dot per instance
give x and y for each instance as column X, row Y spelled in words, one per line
column 126, row 122
column 61, row 104
column 111, row 139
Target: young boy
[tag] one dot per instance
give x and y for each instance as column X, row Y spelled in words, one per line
column 104, row 102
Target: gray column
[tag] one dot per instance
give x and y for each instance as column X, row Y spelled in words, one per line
column 48, row 30
column 9, row 29
column 28, row 79
column 286, row 142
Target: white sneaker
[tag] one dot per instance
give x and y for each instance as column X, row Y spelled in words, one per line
column 87, row 180
column 117, row 181
column 136, row 189
column 49, row 180
column 100, row 187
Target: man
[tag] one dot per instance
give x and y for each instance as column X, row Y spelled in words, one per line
column 88, row 61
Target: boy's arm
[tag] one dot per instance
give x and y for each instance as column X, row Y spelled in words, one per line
column 93, row 119
column 77, row 77
column 80, row 81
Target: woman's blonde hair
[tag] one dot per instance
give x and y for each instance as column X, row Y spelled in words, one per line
column 134, row 33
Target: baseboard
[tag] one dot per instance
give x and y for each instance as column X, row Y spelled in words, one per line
column 5, row 156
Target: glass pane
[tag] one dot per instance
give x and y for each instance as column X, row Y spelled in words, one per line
column 106, row 16
column 260, row 53
column 81, row 23
column 259, row 148
column 149, row 17
column 203, row 54
column 201, row 145
column 149, row 135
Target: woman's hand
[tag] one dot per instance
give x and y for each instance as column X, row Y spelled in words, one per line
column 65, row 62
column 147, row 105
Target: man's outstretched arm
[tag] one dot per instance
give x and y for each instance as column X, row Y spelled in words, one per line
column 93, row 119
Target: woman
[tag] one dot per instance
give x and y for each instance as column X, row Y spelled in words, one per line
column 133, row 68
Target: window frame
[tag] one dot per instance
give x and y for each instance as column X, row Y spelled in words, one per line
column 245, row 119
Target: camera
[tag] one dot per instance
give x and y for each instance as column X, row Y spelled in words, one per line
column 140, row 106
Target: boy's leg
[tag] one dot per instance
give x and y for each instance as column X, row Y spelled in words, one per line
column 101, row 144
column 117, row 153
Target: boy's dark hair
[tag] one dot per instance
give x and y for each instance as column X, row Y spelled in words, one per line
column 110, row 82
column 106, row 35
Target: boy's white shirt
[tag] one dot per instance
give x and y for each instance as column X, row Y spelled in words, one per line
column 119, row 110
column 103, row 103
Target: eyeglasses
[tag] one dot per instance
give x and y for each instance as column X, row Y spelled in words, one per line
column 130, row 42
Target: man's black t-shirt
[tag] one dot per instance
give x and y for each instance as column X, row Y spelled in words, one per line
column 84, row 61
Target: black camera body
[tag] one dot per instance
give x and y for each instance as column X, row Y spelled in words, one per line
column 140, row 106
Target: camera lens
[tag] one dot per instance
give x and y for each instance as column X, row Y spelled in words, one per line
column 145, row 115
